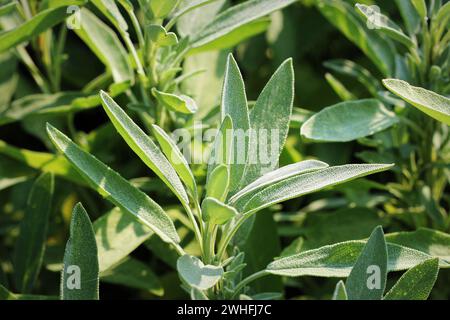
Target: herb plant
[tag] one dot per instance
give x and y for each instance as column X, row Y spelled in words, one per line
column 205, row 217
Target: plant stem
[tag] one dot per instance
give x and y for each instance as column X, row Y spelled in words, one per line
column 34, row 70
column 198, row 234
column 241, row 285
column 224, row 244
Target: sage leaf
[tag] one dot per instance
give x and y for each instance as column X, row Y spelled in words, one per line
column 429, row 102
column 178, row 103
column 158, row 35
column 105, row 44
column 384, row 24
column 111, row 11
column 161, row 8
column 176, row 158
column 41, row 22
column 343, row 17
column 143, row 146
column 218, row 183
column 433, row 242
column 234, row 105
column 79, row 279
column 196, row 274
column 347, row 121
column 269, row 123
column 340, row 293
column 367, row 280
column 235, row 17
column 337, row 260
column 279, row 175
column 416, row 283
column 115, row 188
column 216, row 212
column 30, row 245
column 221, row 153
column 309, row 182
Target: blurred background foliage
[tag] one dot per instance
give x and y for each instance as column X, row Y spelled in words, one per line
column 347, row 212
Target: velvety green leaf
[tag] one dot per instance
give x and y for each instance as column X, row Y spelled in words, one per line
column 307, row 183
column 433, row 242
column 41, row 22
column 30, row 245
column 194, row 15
column 177, row 103
column 340, row 293
column 106, row 46
column 429, row 102
column 216, row 212
column 344, row 17
column 143, row 146
column 236, row 36
column 218, row 183
column 176, row 158
column 234, row 105
column 279, row 175
column 187, row 6
column 115, row 188
column 367, row 280
column 338, row 259
column 160, row 36
column 117, row 234
column 79, row 280
column 416, row 283
column 196, row 274
column 235, row 17
column 161, row 8
column 270, row 117
column 134, row 274
column 347, row 121
column 382, row 22
column 111, row 11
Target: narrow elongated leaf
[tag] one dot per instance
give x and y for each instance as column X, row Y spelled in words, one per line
column 117, row 234
column 367, row 280
column 429, row 102
column 307, row 183
column 177, row 103
column 134, row 274
column 416, row 283
column 111, row 11
column 234, row 105
column 421, row 8
column 347, row 121
column 384, row 24
column 269, row 123
column 41, row 22
column 30, row 244
column 235, row 17
column 187, row 6
column 143, row 146
column 344, row 17
column 115, row 188
column 106, row 46
column 79, row 280
column 235, row 37
column 176, row 158
column 409, row 15
column 433, row 242
column 196, row 274
column 338, row 259
column 161, row 8
column 340, row 293
column 279, row 175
